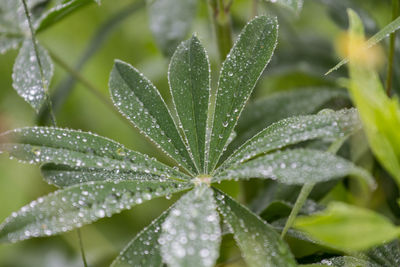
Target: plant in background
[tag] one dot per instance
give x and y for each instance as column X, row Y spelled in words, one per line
column 98, row 177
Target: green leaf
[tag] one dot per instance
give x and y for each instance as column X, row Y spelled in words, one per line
column 144, row 249
column 27, row 79
column 294, row 5
column 239, row 74
column 328, row 125
column 170, row 21
column 263, row 112
column 380, row 114
column 191, row 234
column 259, row 243
column 348, row 228
column 376, row 38
column 386, row 255
column 59, row 12
column 297, row 167
column 81, row 204
column 82, row 152
column 189, row 79
column 138, row 100
column 345, row 261
column 8, row 42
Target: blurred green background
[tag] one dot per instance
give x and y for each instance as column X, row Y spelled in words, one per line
column 304, row 53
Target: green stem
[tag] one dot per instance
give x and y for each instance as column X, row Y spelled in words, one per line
column 222, row 26
column 44, row 83
column 389, row 76
column 307, row 188
column 81, row 247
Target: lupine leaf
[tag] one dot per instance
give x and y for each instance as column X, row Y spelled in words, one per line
column 170, row 21
column 81, row 204
column 297, row 166
column 328, row 125
column 386, row 255
column 8, row 42
column 138, row 100
column 191, row 234
column 259, row 243
column 294, row 5
column 144, row 249
column 189, row 79
column 260, row 114
column 239, row 74
column 347, row 227
column 344, row 261
column 80, row 152
column 27, row 79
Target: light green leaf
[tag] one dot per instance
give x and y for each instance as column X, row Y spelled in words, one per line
column 260, row 114
column 380, row 114
column 376, row 38
column 27, row 79
column 191, row 234
column 138, row 100
column 82, row 152
column 259, row 243
column 297, row 166
column 239, row 74
column 144, row 249
column 189, row 79
column 328, row 125
column 170, row 21
column 348, row 228
column 294, row 5
column 78, row 205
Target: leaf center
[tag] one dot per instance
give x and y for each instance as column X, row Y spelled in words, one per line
column 202, row 179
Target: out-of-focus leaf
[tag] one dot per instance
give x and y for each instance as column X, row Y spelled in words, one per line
column 8, row 41
column 27, row 79
column 80, row 152
column 189, row 79
column 328, row 125
column 81, row 204
column 170, row 21
column 348, row 228
column 138, row 100
column 297, row 166
column 239, row 74
column 144, row 249
column 380, row 114
column 191, row 234
column 259, row 243
column 294, row 5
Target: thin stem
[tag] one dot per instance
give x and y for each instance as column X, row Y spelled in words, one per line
column 44, row 83
column 222, row 26
column 254, row 8
column 81, row 247
column 389, row 76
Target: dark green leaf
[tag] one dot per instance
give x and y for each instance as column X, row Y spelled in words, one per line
column 81, row 204
column 344, row 261
column 259, row 243
column 239, row 74
column 189, row 78
column 170, row 21
column 138, row 100
column 191, row 234
column 386, row 255
column 81, row 152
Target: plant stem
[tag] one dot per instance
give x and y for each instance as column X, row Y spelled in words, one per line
column 44, row 83
column 222, row 26
column 81, row 247
column 307, row 188
column 389, row 76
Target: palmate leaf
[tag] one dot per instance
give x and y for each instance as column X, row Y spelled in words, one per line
column 138, row 100
column 189, row 79
column 170, row 21
column 191, row 234
column 328, row 125
column 79, row 152
column 348, row 228
column 239, row 74
column 81, row 204
column 259, row 243
column 27, row 79
column 144, row 249
column 297, row 167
